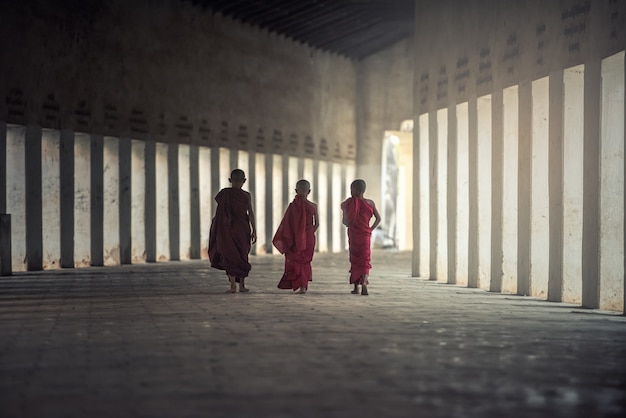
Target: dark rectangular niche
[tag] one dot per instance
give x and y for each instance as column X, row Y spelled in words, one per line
column 138, row 123
column 51, row 110
column 224, row 132
column 110, row 116
column 293, row 143
column 242, row 136
column 184, row 128
column 205, row 131
column 260, row 140
column 309, row 146
column 462, row 73
column 82, row 114
column 323, row 147
column 277, row 141
column 424, row 88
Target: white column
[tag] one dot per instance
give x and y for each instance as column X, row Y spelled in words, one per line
column 138, row 201
column 573, row 117
column 509, row 189
column 405, row 192
column 462, row 214
column 292, row 177
column 111, row 198
column 16, row 194
column 350, row 177
column 540, row 209
column 82, row 200
column 424, row 268
column 50, row 199
column 162, row 203
column 336, row 211
column 612, row 184
column 277, row 199
column 260, row 198
column 204, row 170
column 442, row 193
column 184, row 200
column 484, row 191
column 225, row 168
column 322, row 205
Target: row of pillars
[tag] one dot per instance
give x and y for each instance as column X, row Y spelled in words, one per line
column 522, row 191
column 83, row 199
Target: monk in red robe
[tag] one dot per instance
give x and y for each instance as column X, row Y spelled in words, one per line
column 357, row 213
column 295, row 237
column 233, row 230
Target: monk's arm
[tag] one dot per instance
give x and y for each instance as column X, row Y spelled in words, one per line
column 252, row 220
column 316, row 220
column 376, row 216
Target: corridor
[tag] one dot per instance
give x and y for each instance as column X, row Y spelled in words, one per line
column 164, row 340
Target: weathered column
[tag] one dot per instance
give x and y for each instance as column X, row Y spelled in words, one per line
column 524, row 195
column 472, row 179
column 138, row 218
column 5, row 244
column 329, row 206
column 432, row 193
column 510, row 160
column 194, row 203
column 417, row 210
column 591, row 187
column 252, row 188
column 33, row 198
column 269, row 193
column 97, row 202
column 184, row 202
column 497, row 174
column 150, row 201
column 462, row 200
column 452, row 191
column 125, row 196
column 555, row 180
column 3, row 167
column 173, row 201
column 66, row 179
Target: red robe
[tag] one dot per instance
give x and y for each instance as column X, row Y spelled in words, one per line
column 358, row 212
column 229, row 238
column 295, row 237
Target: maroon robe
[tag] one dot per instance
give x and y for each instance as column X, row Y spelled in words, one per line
column 357, row 213
column 229, row 238
column 295, row 237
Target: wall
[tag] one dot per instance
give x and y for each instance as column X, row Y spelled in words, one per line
column 534, row 93
column 170, row 71
column 385, row 100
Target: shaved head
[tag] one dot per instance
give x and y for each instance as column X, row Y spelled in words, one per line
column 237, row 174
column 358, row 186
column 303, row 185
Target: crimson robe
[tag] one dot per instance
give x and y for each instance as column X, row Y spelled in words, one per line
column 229, row 237
column 295, row 237
column 357, row 212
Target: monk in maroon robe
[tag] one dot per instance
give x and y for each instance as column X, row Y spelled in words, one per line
column 233, row 230
column 295, row 237
column 357, row 213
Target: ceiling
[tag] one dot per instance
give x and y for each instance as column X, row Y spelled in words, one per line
column 352, row 28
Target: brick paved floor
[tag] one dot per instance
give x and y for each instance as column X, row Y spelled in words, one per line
column 164, row 340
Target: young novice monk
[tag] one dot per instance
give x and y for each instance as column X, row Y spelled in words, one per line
column 233, row 229
column 357, row 212
column 295, row 237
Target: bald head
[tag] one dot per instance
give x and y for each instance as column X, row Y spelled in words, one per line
column 357, row 187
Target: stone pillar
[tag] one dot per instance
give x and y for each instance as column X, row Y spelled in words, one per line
column 66, row 179
column 432, row 193
column 3, row 167
column 5, row 244
column 194, row 202
column 524, row 195
column 555, row 184
column 462, row 200
column 269, row 193
column 125, row 196
column 417, row 209
column 97, row 203
column 150, row 201
column 591, row 187
column 497, row 182
column 184, row 202
column 452, row 193
column 162, row 219
column 329, row 206
column 33, row 198
column 173, row 201
column 252, row 189
column 472, row 179
column 441, row 175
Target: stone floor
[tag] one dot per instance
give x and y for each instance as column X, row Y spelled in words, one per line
column 164, row 340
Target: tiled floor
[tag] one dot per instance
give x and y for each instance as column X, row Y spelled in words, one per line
column 164, row 340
